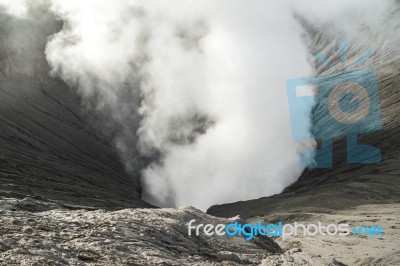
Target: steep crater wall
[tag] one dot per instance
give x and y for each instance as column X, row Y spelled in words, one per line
column 344, row 185
column 51, row 147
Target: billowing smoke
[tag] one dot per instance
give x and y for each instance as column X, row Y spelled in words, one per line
column 197, row 88
column 211, row 78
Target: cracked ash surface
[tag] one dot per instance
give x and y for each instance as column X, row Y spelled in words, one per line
column 127, row 237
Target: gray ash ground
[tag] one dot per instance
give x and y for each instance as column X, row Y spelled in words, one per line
column 127, row 237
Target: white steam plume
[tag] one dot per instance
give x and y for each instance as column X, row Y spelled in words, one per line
column 198, row 86
column 212, row 81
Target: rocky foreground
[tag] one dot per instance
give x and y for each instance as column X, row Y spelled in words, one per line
column 127, row 237
column 34, row 232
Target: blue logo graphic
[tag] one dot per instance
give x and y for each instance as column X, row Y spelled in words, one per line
column 368, row 231
column 347, row 104
column 249, row 231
